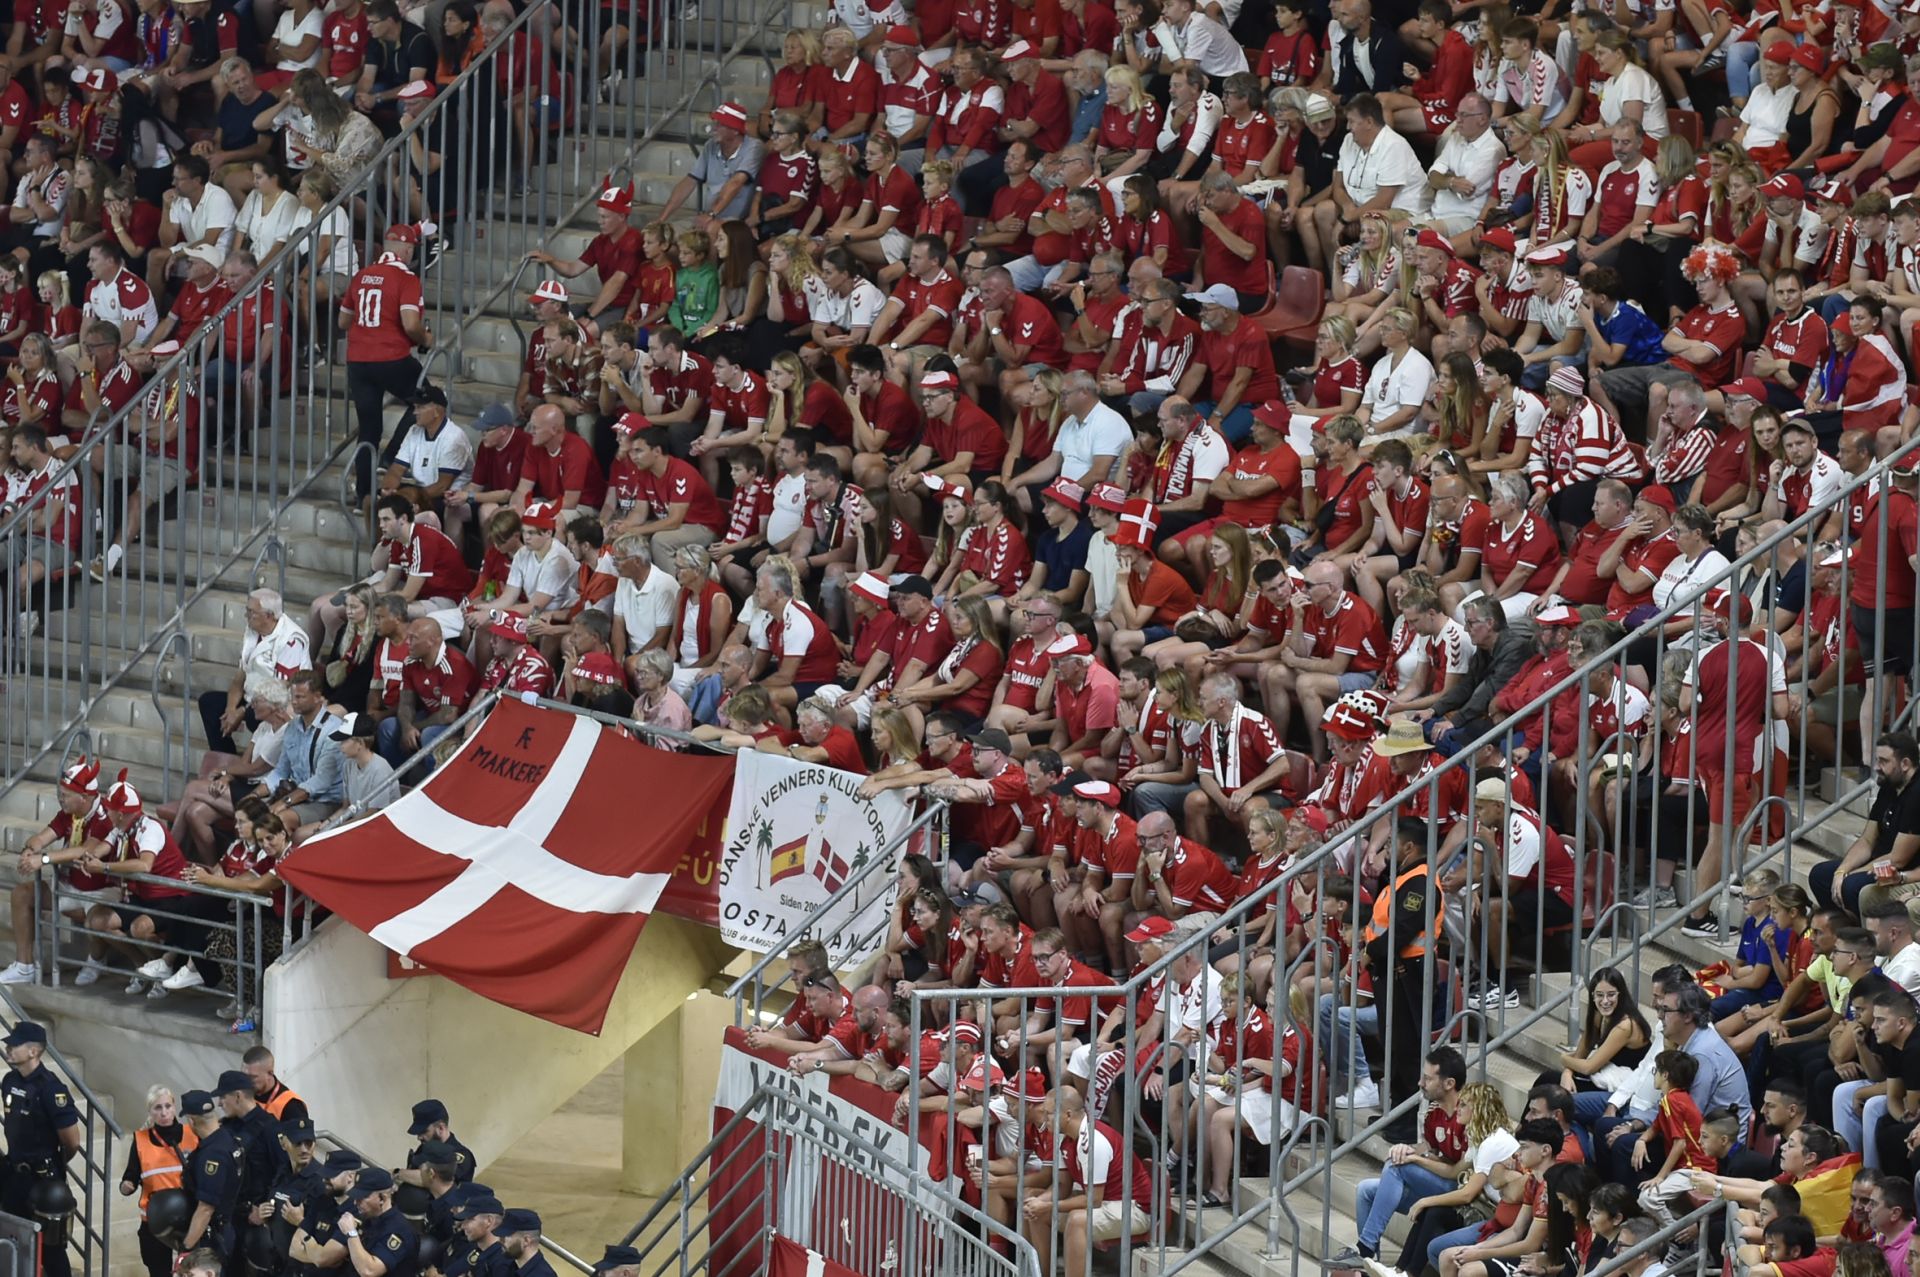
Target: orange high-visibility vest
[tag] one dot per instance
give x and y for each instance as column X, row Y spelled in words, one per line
column 161, row 1164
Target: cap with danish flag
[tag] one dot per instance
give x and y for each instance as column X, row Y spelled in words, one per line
column 122, row 798
column 83, row 777
column 1138, row 519
column 632, row 423
column 1348, row 721
column 1072, row 643
column 619, row 199
column 1104, row 792
column 1107, row 496
column 730, row 115
column 549, row 290
column 416, row 90
column 541, row 514
column 509, row 625
column 1029, row 1086
column 939, row 379
column 100, row 80
column 872, row 588
column 947, row 489
column 1547, row 257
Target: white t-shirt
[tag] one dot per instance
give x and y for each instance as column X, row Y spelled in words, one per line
column 1476, row 161
column 1903, row 968
column 273, row 657
column 1101, row 433
column 290, row 31
column 259, row 230
column 343, row 258
column 427, row 460
column 789, row 507
column 557, row 575
column 858, row 309
column 1390, row 161
column 1635, row 84
column 1686, row 579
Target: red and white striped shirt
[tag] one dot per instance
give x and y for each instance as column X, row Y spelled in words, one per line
column 1587, row 444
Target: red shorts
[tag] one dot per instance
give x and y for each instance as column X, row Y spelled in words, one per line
column 1438, row 115
column 1746, row 792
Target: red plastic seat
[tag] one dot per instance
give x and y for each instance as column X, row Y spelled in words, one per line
column 1298, row 304
column 1686, row 124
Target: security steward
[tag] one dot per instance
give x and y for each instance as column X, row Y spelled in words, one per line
column 619, row 1261
column 259, row 1133
column 296, row 1178
column 317, row 1244
column 380, row 1242
column 275, row 1096
column 520, row 1239
column 157, row 1161
column 1404, row 928
column 442, row 1191
column 43, row 1132
column 430, row 1127
column 214, row 1171
column 478, row 1252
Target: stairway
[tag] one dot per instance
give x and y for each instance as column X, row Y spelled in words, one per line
column 1326, row 1221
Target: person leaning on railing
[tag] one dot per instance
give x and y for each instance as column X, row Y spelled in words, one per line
column 59, row 847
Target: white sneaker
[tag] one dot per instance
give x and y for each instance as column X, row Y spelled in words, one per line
column 89, row 974
column 21, row 973
column 158, row 969
column 136, row 987
column 187, row 977
column 1366, row 1095
column 156, row 990
column 1378, row 1269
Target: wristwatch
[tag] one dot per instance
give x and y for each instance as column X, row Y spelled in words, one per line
column 993, row 332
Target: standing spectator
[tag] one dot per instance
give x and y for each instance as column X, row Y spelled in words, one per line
column 274, row 649
column 381, row 313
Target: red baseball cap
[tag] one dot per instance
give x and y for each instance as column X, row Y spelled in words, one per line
column 983, row 1074
column 403, row 233
column 1152, row 927
column 1430, row 238
column 903, row 35
column 1314, row 817
column 541, row 514
column 1810, row 56
column 1659, row 494
column 1500, row 238
column 1748, row 386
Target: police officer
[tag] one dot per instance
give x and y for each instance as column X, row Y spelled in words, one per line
column 259, row 1133
column 520, row 1238
column 479, row 1252
column 317, row 1243
column 619, row 1261
column 380, row 1242
column 296, row 1179
column 437, row 1171
column 430, row 1127
column 43, row 1131
column 214, row 1171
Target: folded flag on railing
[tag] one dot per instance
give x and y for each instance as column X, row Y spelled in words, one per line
column 791, row 1259
column 526, row 867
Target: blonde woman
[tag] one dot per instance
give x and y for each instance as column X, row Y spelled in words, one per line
column 1330, row 386
column 1175, row 694
column 1369, row 271
column 1453, row 1218
column 60, row 317
column 1561, row 193
column 800, row 398
column 1028, row 464
column 795, row 291
column 839, row 194
column 157, row 1160
column 798, row 85
column 1128, row 133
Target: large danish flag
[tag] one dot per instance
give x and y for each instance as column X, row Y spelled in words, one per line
column 526, row 867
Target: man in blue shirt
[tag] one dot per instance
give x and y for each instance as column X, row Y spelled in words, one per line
column 306, row 785
column 1619, row 333
column 1686, row 1015
column 1060, row 552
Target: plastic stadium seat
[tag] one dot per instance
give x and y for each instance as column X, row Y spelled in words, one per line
column 1686, row 124
column 1294, row 315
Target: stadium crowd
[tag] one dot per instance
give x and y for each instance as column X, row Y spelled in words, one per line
column 1166, row 433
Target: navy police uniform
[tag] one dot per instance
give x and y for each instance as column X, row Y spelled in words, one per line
column 38, row 1107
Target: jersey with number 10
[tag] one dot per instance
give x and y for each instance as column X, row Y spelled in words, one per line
column 376, row 297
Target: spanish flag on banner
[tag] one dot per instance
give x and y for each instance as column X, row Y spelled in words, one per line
column 1826, row 1191
column 787, row 860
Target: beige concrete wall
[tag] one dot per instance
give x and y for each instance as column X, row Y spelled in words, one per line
column 360, row 1048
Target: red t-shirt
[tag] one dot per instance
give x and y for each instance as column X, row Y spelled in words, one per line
column 1242, row 346
column 573, row 469
column 1248, row 275
column 1282, row 464
column 376, row 298
column 681, row 484
column 610, row 255
column 1532, row 541
column 1725, row 330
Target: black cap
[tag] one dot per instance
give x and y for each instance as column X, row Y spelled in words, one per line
column 991, row 738
column 354, row 727
column 297, row 1130
column 373, row 1179
column 518, row 1220
column 618, row 1257
column 478, row 1204
column 912, row 585
column 1064, row 786
column 233, row 1080
column 196, row 1104
column 27, row 1031
column 437, row 1153
column 340, row 1161
column 425, row 1114
column 427, row 394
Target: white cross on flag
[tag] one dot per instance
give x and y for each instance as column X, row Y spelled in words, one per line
column 521, row 870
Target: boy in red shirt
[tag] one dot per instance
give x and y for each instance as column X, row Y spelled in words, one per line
column 1679, row 1125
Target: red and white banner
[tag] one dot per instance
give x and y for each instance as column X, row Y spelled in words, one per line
column 526, row 867
column 791, row 1259
column 832, row 1196
column 796, row 833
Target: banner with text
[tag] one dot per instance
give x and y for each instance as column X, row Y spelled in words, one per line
column 797, row 833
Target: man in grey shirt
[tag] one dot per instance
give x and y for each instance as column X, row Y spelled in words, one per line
column 369, row 777
column 1464, row 711
column 726, row 171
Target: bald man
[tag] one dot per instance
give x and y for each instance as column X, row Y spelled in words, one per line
column 1103, row 1190
column 856, row 1035
column 436, row 685
column 1337, row 646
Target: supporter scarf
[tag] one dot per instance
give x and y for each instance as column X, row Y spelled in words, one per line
column 1226, row 748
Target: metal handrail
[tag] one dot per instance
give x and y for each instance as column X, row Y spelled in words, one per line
column 176, row 640
column 65, row 1066
column 193, row 354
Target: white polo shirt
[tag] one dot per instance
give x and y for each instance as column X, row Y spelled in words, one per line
column 1390, row 161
